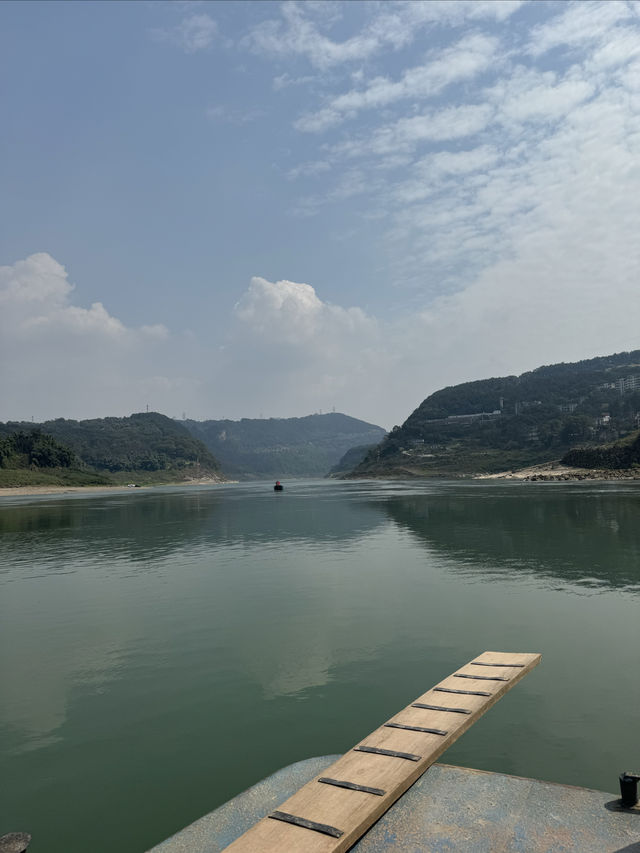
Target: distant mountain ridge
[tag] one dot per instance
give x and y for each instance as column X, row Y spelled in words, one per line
column 254, row 448
column 495, row 424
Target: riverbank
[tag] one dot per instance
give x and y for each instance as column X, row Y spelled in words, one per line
column 20, row 491
column 557, row 472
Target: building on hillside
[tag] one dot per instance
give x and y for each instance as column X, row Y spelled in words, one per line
column 628, row 383
column 457, row 420
column 522, row 405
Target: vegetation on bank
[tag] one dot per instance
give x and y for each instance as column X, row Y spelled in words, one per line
column 143, row 442
column 619, row 455
column 33, row 458
column 515, row 421
column 144, row 448
column 11, row 478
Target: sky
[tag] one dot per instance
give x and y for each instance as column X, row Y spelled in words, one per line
column 238, row 209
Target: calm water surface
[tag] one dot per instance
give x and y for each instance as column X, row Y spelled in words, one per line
column 162, row 650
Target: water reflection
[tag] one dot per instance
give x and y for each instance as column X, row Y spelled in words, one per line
column 145, row 527
column 136, row 628
column 104, row 583
column 586, row 535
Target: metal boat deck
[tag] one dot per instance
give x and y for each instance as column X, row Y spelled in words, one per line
column 448, row 809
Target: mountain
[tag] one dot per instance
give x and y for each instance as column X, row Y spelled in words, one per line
column 283, row 447
column 495, row 424
column 349, row 460
column 149, row 444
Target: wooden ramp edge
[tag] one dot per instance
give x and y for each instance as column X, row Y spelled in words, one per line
column 330, row 813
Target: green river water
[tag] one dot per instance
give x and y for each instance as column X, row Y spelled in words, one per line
column 163, row 649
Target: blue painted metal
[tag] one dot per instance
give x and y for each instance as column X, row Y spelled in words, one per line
column 448, row 809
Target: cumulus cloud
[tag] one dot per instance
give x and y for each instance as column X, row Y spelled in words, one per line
column 58, row 358
column 562, row 295
column 295, row 353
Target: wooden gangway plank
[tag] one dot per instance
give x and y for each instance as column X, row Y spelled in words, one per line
column 331, row 812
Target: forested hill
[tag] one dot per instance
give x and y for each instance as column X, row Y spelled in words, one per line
column 32, row 458
column 148, row 442
column 283, row 447
column 513, row 421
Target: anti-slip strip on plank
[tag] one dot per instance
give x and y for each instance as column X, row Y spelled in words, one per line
column 481, row 677
column 441, row 708
column 375, row 750
column 483, row 663
column 339, row 783
column 385, row 763
column 415, row 729
column 462, row 692
column 324, row 828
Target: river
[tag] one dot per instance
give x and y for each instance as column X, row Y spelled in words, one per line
column 162, row 650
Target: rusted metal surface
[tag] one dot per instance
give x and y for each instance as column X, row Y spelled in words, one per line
column 448, row 809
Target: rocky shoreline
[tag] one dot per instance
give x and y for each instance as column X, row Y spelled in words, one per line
column 557, row 472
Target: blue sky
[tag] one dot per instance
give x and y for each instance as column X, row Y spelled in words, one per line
column 237, row 209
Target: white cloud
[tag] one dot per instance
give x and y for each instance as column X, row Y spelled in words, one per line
column 60, row 359
column 434, row 172
column 292, row 353
column 194, row 32
column 579, row 24
column 406, row 134
column 462, row 61
column 504, row 209
column 284, row 81
column 35, row 298
column 528, row 95
column 290, row 312
column 568, row 290
column 316, row 167
column 300, row 30
column 296, row 33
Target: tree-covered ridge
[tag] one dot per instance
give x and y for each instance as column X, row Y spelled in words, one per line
column 33, row 448
column 29, row 457
column 283, row 447
column 147, row 441
column 494, row 424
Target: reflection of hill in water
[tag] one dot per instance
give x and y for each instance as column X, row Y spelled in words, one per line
column 586, row 535
column 143, row 526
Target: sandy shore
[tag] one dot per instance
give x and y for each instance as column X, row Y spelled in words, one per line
column 555, row 471
column 14, row 491
column 18, row 491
